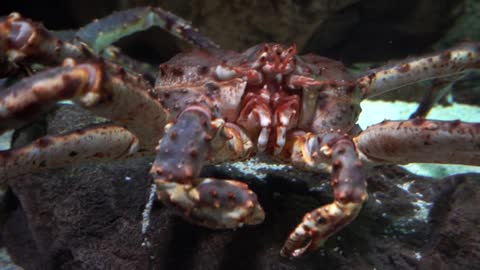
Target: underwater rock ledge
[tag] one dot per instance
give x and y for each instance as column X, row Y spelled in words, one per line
column 90, row 218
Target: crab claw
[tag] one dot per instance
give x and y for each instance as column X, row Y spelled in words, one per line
column 317, row 226
column 350, row 192
column 225, row 204
column 181, row 154
column 213, row 203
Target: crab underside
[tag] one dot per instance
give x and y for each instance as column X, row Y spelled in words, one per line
column 210, row 106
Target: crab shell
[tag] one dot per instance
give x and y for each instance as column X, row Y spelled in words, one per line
column 268, row 91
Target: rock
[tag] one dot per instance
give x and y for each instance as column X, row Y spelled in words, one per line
column 90, row 217
column 454, row 241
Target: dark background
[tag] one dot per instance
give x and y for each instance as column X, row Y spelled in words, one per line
column 348, row 30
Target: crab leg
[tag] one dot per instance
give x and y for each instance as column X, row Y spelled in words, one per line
column 441, row 64
column 310, row 151
column 22, row 40
column 438, row 89
column 106, row 31
column 106, row 91
column 25, row 100
column 99, row 143
column 210, row 202
column 420, row 140
column 114, row 55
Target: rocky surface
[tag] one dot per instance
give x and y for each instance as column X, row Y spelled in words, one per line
column 90, row 218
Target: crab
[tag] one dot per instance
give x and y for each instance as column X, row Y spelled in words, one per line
column 210, row 106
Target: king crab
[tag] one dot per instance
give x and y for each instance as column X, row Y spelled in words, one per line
column 211, row 106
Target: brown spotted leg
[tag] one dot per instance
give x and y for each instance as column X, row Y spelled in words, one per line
column 98, row 143
column 420, row 140
column 84, row 84
column 28, row 98
column 445, row 63
column 101, row 88
column 115, row 93
column 182, row 152
column 310, row 151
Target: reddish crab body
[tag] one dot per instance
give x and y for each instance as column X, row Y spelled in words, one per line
column 261, row 90
column 211, row 106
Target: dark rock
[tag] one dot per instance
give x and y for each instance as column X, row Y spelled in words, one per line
column 83, row 220
column 454, row 241
column 90, row 218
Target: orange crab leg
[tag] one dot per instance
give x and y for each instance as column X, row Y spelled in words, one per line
column 98, row 143
column 311, row 151
column 420, row 140
column 210, row 202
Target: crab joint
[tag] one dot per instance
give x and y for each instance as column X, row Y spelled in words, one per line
column 91, row 91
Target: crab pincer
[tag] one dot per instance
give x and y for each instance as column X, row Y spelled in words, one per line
column 350, row 190
column 210, row 202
